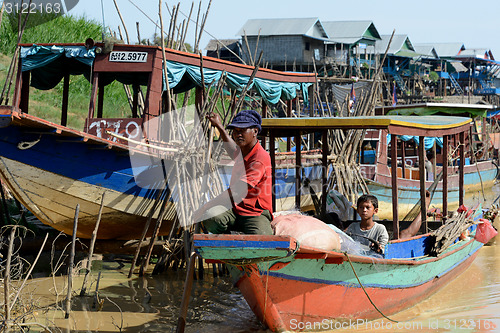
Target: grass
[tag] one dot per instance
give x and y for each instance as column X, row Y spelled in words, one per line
column 47, row 104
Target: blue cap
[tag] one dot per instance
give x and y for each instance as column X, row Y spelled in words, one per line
column 246, row 118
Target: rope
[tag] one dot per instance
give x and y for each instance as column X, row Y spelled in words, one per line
column 23, row 145
column 354, row 271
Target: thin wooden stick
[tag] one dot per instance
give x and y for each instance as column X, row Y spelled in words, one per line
column 6, row 279
column 164, row 58
column 186, row 294
column 123, row 22
column 91, row 249
column 71, row 263
column 29, row 272
column 1, row 13
column 138, row 33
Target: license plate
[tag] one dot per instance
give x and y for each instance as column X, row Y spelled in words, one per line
column 128, row 56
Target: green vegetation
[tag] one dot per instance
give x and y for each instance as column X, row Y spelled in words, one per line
column 433, row 76
column 64, row 29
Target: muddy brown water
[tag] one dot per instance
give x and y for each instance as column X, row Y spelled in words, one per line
column 470, row 303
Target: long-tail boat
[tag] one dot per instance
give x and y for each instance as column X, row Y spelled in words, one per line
column 51, row 167
column 294, row 287
column 480, row 171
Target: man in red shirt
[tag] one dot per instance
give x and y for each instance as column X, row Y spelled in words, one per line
column 249, row 191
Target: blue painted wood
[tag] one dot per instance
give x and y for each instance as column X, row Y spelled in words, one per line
column 243, row 244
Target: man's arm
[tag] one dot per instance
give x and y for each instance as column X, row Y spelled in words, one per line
column 229, row 143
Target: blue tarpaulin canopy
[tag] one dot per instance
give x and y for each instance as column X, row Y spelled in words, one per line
column 428, row 141
column 182, row 77
column 49, row 64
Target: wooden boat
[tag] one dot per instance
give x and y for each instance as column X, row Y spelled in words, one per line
column 294, row 287
column 50, row 167
column 480, row 171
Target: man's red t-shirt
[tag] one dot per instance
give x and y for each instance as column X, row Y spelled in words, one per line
column 255, row 170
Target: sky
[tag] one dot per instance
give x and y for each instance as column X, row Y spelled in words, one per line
column 475, row 24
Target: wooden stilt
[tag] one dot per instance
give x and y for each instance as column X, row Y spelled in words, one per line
column 91, row 248
column 71, row 263
column 188, row 285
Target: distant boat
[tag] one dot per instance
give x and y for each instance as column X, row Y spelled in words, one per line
column 480, row 174
column 294, row 287
column 50, row 167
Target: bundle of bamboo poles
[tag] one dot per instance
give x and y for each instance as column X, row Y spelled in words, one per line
column 446, row 235
column 346, row 174
column 190, row 168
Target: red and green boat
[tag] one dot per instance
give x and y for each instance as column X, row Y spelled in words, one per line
column 290, row 286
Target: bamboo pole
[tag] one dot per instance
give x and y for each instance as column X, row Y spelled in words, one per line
column 29, row 272
column 71, row 263
column 6, row 279
column 123, row 22
column 186, row 294
column 91, row 248
column 1, row 13
column 138, row 33
column 164, row 57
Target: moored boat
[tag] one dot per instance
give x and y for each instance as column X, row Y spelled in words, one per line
column 51, row 167
column 290, row 286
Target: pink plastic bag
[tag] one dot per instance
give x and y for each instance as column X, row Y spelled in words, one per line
column 485, row 231
column 308, row 230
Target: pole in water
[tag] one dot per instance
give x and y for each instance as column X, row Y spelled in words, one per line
column 186, row 294
column 71, row 263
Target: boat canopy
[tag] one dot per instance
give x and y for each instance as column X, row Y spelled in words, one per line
column 183, row 77
column 431, row 126
column 428, row 141
column 49, row 63
column 427, row 109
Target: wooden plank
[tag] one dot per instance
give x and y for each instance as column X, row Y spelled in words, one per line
column 423, row 177
column 25, row 92
column 324, row 171
column 65, row 97
column 461, row 142
column 445, row 175
column 298, row 168
column 394, row 181
column 272, row 152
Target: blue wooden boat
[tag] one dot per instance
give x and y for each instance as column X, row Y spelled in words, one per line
column 51, row 167
column 294, row 287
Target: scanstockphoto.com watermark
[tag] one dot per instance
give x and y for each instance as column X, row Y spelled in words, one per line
column 383, row 325
column 39, row 11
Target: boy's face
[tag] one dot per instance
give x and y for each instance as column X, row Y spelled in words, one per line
column 366, row 210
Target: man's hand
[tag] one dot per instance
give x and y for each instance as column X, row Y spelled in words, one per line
column 215, row 120
column 376, row 247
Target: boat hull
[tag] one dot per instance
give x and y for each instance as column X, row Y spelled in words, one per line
column 59, row 171
column 314, row 290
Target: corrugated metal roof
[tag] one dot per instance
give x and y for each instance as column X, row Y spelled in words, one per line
column 475, row 53
column 284, row 26
column 398, row 43
column 212, row 44
column 351, row 29
column 426, row 50
column 446, row 49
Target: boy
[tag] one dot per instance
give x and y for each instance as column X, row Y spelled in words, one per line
column 367, row 230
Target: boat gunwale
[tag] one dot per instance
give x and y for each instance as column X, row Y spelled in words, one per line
column 323, row 254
